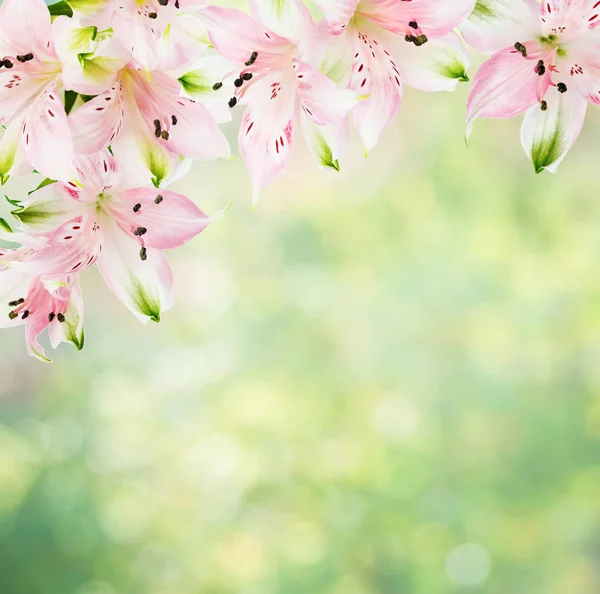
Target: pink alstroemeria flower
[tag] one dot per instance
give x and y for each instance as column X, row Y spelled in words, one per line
column 545, row 63
column 37, row 132
column 384, row 44
column 40, row 302
column 275, row 83
column 120, row 229
column 149, row 126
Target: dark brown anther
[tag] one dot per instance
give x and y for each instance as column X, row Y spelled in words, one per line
column 232, row 102
column 174, row 120
column 140, row 231
column 540, row 68
column 158, row 199
column 137, row 207
column 164, row 135
column 143, row 254
column 25, row 314
column 13, row 314
column 61, row 318
column 217, row 86
column 51, row 317
column 163, row 2
column 561, row 87
column 544, row 105
column 8, row 64
column 152, row 15
column 252, row 59
column 413, row 25
column 238, row 82
column 247, row 76
column 521, row 49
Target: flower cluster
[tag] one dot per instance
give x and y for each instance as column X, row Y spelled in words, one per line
column 110, row 101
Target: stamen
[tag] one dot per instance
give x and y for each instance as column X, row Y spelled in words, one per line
column 252, row 59
column 232, row 102
column 165, row 135
column 61, row 318
column 540, row 68
column 413, row 25
column 143, row 254
column 217, row 86
column 247, row 76
column 521, row 49
column 137, row 207
column 561, row 87
column 158, row 199
column 163, row 2
column 13, row 314
column 51, row 317
column 544, row 105
column 25, row 314
column 174, row 120
column 140, row 231
column 152, row 15
column 238, row 82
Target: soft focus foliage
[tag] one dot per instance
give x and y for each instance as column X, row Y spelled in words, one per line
column 382, row 381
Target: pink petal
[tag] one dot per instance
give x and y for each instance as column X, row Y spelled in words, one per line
column 506, row 85
column 25, row 27
column 73, row 247
column 47, row 126
column 432, row 16
column 168, row 219
column 96, row 124
column 187, row 127
column 338, row 13
column 236, row 36
column 266, row 132
column 376, row 76
column 321, row 98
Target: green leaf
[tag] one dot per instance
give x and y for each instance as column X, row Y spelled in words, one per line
column 70, row 98
column 4, row 225
column 60, row 8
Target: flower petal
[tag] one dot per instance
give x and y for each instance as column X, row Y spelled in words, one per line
column 47, row 126
column 505, row 86
column 320, row 97
column 266, row 132
column 25, row 27
column 438, row 65
column 376, row 76
column 236, row 36
column 547, row 135
column 432, row 16
column 144, row 286
column 290, row 19
column 495, row 25
column 68, row 328
column 168, row 219
column 186, row 128
column 337, row 13
column 97, row 123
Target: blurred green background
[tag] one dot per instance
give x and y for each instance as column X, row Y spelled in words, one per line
column 383, row 381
